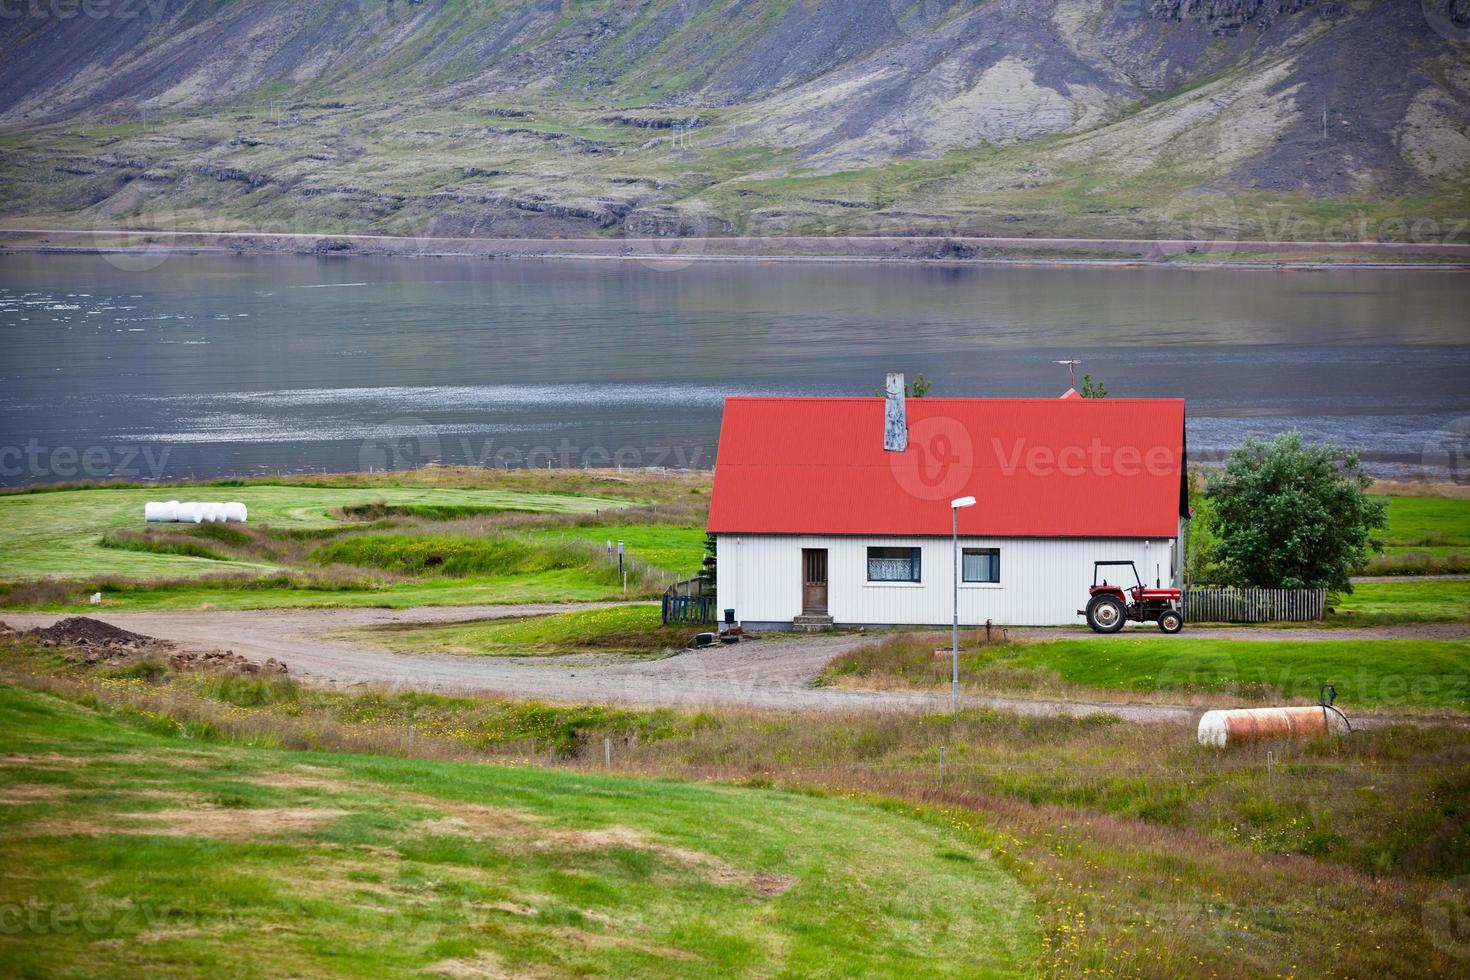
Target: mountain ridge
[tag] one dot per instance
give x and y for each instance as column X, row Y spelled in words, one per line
column 1172, row 118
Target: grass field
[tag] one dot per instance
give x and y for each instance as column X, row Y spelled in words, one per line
column 138, row 852
column 1425, row 536
column 449, row 537
column 58, row 534
column 1404, row 602
column 1418, row 521
column 558, row 585
column 678, row 549
column 1145, row 853
column 636, row 630
column 1419, row 674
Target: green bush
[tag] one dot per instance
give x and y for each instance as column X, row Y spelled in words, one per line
column 252, row 691
column 223, row 533
column 147, row 670
column 429, row 512
column 126, row 541
column 454, row 555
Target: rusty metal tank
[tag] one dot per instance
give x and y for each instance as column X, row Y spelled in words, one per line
column 1231, row 726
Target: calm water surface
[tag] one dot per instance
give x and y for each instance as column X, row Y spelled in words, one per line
column 215, row 365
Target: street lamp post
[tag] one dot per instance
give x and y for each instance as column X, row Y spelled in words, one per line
column 954, row 681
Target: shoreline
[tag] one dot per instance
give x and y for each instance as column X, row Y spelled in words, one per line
column 909, row 250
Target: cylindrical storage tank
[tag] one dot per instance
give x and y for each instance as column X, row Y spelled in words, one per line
column 1227, row 727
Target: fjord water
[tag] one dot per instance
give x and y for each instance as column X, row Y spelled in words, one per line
column 215, row 365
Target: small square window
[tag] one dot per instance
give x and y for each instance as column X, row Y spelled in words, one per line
column 981, row 565
column 893, row 564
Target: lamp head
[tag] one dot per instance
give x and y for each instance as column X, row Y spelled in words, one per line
column 959, row 502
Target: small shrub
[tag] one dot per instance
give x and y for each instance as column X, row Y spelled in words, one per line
column 132, row 541
column 151, row 671
column 223, row 533
column 251, row 691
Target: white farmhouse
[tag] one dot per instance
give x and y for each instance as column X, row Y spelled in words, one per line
column 820, row 522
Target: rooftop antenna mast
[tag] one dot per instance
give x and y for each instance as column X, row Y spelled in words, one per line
column 1073, row 365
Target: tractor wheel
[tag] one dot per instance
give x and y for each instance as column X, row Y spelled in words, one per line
column 1170, row 621
column 1105, row 614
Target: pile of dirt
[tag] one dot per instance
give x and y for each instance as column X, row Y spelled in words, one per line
column 88, row 642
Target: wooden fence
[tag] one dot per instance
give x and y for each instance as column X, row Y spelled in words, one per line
column 1253, row 605
column 688, row 608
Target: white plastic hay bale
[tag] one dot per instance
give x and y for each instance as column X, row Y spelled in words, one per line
column 194, row 512
column 159, row 512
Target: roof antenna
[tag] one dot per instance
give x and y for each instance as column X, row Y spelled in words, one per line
column 1073, row 365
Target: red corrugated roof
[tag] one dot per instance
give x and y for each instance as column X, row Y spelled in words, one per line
column 1040, row 467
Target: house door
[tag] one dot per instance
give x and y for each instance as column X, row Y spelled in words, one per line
column 814, row 581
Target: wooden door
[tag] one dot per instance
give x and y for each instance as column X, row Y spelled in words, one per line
column 814, row 581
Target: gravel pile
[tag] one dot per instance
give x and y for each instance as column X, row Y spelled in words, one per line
column 89, row 642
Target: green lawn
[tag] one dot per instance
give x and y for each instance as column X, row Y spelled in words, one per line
column 1421, row 673
column 1426, row 535
column 57, row 534
column 1404, row 602
column 140, row 852
column 1414, row 521
column 616, row 629
column 556, row 585
column 1429, row 674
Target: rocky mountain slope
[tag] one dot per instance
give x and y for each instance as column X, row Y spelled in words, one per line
column 1294, row 119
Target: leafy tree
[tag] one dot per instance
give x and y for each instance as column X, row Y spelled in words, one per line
column 1201, row 563
column 707, row 570
column 1093, row 389
column 1292, row 516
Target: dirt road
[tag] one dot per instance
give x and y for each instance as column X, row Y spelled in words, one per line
column 767, row 673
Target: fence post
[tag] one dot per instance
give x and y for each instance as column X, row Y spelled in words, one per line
column 606, row 752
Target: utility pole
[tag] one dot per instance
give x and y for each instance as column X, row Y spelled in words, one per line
column 954, row 640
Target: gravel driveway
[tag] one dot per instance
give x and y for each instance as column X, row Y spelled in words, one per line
column 775, row 672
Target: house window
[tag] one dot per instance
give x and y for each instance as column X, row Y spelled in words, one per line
column 981, row 565
column 893, row 564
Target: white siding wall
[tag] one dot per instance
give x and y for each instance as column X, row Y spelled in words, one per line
column 1043, row 581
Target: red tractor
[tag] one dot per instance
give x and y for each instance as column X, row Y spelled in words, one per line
column 1109, row 606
